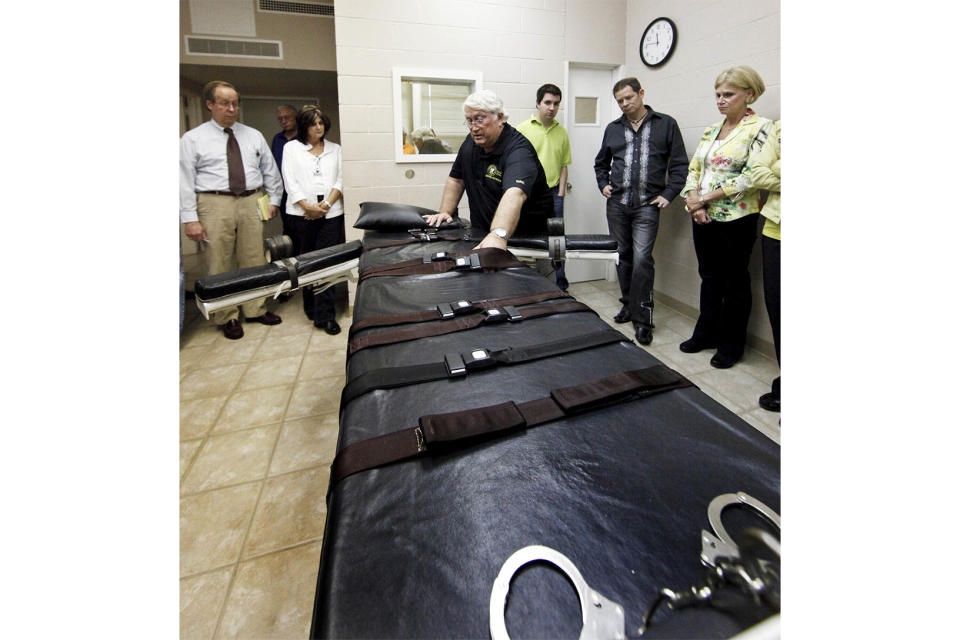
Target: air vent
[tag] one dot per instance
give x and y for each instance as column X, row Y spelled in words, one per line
column 299, row 8
column 234, row 48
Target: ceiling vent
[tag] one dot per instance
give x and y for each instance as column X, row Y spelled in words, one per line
column 234, row 48
column 301, row 8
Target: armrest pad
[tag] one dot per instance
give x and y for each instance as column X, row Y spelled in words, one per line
column 249, row 278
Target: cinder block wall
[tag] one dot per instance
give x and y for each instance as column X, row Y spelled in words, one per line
column 517, row 45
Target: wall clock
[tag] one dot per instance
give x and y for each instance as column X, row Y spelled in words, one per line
column 658, row 42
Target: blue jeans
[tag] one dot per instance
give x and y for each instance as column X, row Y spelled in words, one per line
column 558, row 213
column 635, row 229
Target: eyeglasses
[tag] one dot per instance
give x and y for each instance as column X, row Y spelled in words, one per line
column 477, row 120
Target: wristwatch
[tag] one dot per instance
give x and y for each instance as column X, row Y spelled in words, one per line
column 500, row 232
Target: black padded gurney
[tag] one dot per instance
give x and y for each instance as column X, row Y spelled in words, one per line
column 411, row 549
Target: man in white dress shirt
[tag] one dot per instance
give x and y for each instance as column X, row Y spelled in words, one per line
column 224, row 168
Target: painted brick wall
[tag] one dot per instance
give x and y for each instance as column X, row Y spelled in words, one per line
column 517, row 44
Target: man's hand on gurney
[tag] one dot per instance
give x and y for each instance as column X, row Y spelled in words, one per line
column 436, row 219
column 492, row 240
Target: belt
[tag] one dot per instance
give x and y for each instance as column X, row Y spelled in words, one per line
column 458, row 365
column 462, row 323
column 488, row 258
column 242, row 194
column 447, row 311
column 436, row 431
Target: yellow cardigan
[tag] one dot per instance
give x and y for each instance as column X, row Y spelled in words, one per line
column 732, row 157
column 764, row 173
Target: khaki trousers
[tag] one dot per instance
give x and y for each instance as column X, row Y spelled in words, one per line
column 234, row 229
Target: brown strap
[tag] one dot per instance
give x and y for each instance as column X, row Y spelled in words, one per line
column 461, row 323
column 461, row 307
column 486, row 258
column 424, row 236
column 460, row 425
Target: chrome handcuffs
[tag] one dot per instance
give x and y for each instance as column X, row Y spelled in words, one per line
column 727, row 564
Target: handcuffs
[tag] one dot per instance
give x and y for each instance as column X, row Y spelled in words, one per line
column 726, row 563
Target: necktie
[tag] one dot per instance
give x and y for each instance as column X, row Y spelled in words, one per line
column 238, row 181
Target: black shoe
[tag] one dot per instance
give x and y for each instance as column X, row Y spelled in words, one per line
column 623, row 316
column 232, row 330
column 330, row 326
column 695, row 345
column 644, row 334
column 268, row 318
column 770, row 402
column 723, row 361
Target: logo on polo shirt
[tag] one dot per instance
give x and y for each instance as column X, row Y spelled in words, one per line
column 494, row 174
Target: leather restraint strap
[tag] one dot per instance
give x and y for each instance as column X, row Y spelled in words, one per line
column 433, row 430
column 290, row 264
column 458, row 365
column 446, row 311
column 462, row 323
column 418, row 235
column 441, row 262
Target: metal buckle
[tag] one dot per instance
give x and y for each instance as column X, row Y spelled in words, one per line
column 421, row 443
column 455, row 365
column 478, row 359
column 468, row 263
column 494, row 316
column 512, row 314
column 439, row 256
column 424, row 235
column 461, row 307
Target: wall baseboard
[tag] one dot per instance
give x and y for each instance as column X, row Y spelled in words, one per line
column 763, row 346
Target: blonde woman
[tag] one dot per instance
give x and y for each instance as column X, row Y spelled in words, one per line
column 724, row 204
column 764, row 172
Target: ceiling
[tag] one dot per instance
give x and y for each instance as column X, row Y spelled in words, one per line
column 262, row 81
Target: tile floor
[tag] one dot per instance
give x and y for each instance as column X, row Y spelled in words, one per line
column 258, row 429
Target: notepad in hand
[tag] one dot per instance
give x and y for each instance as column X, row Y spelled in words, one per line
column 263, row 204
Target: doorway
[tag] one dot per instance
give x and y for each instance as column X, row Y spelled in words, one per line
column 589, row 108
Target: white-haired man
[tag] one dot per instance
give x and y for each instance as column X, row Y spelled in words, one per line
column 500, row 171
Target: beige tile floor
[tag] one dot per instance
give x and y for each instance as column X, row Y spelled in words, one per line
column 258, row 429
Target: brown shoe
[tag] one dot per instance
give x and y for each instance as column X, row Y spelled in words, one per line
column 268, row 318
column 232, row 330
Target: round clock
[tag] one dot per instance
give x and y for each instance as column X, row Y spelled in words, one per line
column 658, row 42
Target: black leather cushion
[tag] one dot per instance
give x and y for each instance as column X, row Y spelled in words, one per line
column 250, row 278
column 385, row 216
column 584, row 242
column 578, row 242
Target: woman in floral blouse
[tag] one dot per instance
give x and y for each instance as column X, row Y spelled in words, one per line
column 724, row 204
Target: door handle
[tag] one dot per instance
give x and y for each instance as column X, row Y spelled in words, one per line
column 569, row 187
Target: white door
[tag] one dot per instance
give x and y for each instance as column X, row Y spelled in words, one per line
column 589, row 108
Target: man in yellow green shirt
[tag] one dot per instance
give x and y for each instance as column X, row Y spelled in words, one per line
column 550, row 140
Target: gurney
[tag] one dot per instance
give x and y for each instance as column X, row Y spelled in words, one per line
column 326, row 267
column 486, row 413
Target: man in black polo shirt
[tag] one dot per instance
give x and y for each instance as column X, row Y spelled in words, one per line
column 498, row 168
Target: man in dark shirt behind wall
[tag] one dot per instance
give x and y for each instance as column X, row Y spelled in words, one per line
column 640, row 168
column 499, row 170
column 287, row 117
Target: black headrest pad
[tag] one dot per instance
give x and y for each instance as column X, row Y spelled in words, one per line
column 385, row 216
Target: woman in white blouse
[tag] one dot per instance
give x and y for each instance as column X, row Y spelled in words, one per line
column 312, row 179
